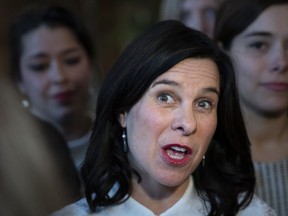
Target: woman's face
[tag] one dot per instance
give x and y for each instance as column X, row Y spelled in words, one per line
column 199, row 14
column 261, row 58
column 56, row 73
column 170, row 128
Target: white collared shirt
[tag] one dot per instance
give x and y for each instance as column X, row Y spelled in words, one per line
column 189, row 204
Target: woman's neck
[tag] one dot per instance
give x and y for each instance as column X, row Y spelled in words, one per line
column 74, row 128
column 70, row 126
column 156, row 197
column 268, row 135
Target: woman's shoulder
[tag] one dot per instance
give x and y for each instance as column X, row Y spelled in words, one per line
column 257, row 207
column 79, row 208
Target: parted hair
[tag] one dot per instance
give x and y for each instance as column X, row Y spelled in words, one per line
column 228, row 170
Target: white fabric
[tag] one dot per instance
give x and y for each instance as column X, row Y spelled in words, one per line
column 78, row 149
column 189, row 204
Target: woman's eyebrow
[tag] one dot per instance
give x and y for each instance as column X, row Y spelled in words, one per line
column 258, row 33
column 38, row 55
column 165, row 82
column 43, row 54
column 71, row 50
column 173, row 83
column 210, row 90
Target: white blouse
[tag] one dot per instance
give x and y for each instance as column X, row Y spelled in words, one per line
column 78, row 149
column 189, row 204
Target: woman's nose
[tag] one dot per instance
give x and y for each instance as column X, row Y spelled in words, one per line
column 185, row 121
column 57, row 72
column 279, row 61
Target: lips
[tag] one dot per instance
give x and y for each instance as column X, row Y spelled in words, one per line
column 63, row 96
column 276, row 86
column 176, row 154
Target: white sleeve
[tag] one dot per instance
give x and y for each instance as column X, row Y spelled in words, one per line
column 79, row 208
column 257, row 207
column 268, row 211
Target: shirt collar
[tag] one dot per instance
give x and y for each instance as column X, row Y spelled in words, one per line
column 188, row 204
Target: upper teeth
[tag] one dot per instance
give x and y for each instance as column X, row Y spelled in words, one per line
column 176, row 148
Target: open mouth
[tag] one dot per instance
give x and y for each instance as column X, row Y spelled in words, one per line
column 176, row 154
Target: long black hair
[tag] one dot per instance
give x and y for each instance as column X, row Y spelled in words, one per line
column 228, row 170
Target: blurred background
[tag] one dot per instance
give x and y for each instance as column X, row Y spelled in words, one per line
column 113, row 23
column 26, row 166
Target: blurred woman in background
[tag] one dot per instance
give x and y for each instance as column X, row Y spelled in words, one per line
column 53, row 65
column 197, row 14
column 255, row 34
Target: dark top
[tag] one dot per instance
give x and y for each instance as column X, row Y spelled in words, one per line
column 63, row 160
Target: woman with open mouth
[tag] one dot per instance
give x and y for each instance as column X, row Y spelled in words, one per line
column 169, row 137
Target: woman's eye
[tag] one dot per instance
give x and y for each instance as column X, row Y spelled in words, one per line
column 165, row 98
column 72, row 61
column 210, row 13
column 204, row 104
column 38, row 67
column 258, row 45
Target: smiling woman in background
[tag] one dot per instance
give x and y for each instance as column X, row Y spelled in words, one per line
column 255, row 34
column 53, row 65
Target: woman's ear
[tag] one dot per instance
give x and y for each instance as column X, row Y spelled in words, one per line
column 122, row 119
column 221, row 46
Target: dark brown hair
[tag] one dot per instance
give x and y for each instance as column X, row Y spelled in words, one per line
column 235, row 16
column 228, row 170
